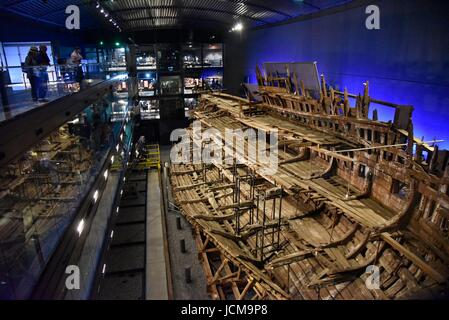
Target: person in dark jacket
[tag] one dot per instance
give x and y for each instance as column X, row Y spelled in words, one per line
column 32, row 74
column 43, row 61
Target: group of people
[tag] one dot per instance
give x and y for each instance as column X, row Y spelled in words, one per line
column 35, row 67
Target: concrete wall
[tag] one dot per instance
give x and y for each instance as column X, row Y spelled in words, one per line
column 406, row 61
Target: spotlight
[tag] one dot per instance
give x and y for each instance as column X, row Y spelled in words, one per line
column 238, row 27
column 102, row 10
column 80, row 227
column 97, row 6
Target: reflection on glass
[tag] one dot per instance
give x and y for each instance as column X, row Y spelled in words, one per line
column 40, row 194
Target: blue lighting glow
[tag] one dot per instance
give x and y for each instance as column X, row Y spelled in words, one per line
column 400, row 67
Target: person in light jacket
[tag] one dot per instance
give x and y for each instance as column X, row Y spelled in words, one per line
column 76, row 58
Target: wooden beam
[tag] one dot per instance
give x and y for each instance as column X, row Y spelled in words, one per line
column 425, row 267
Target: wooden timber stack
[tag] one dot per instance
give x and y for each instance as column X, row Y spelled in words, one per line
column 350, row 192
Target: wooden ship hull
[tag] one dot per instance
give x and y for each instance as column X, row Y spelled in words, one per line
column 350, row 192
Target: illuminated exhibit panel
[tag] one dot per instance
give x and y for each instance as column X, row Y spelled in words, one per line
column 115, row 59
column 191, row 56
column 41, row 191
column 213, row 55
column 213, row 78
column 192, row 85
column 149, row 110
column 147, row 83
column 119, row 110
column 170, row 85
column 190, row 103
column 146, row 58
column 121, row 90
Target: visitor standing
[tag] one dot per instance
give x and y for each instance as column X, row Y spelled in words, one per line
column 43, row 61
column 31, row 72
column 76, row 58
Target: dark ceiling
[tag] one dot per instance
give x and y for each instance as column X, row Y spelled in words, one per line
column 134, row 15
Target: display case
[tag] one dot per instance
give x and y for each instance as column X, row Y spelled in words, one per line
column 213, row 55
column 121, row 89
column 113, row 58
column 192, row 84
column 170, row 85
column 213, row 78
column 149, row 110
column 169, row 58
column 146, row 58
column 192, row 56
column 147, row 83
column 42, row 191
column 119, row 110
column 189, row 105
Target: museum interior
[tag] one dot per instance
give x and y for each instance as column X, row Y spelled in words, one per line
column 224, row 150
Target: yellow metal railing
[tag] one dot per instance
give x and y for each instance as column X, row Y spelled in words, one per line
column 151, row 159
column 117, row 164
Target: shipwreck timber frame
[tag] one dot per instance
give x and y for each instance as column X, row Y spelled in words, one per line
column 355, row 192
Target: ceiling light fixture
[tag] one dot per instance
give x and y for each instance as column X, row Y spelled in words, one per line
column 238, row 27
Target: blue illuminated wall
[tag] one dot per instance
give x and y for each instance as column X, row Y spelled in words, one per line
column 406, row 61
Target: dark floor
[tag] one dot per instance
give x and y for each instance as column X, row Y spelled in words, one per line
column 124, row 277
